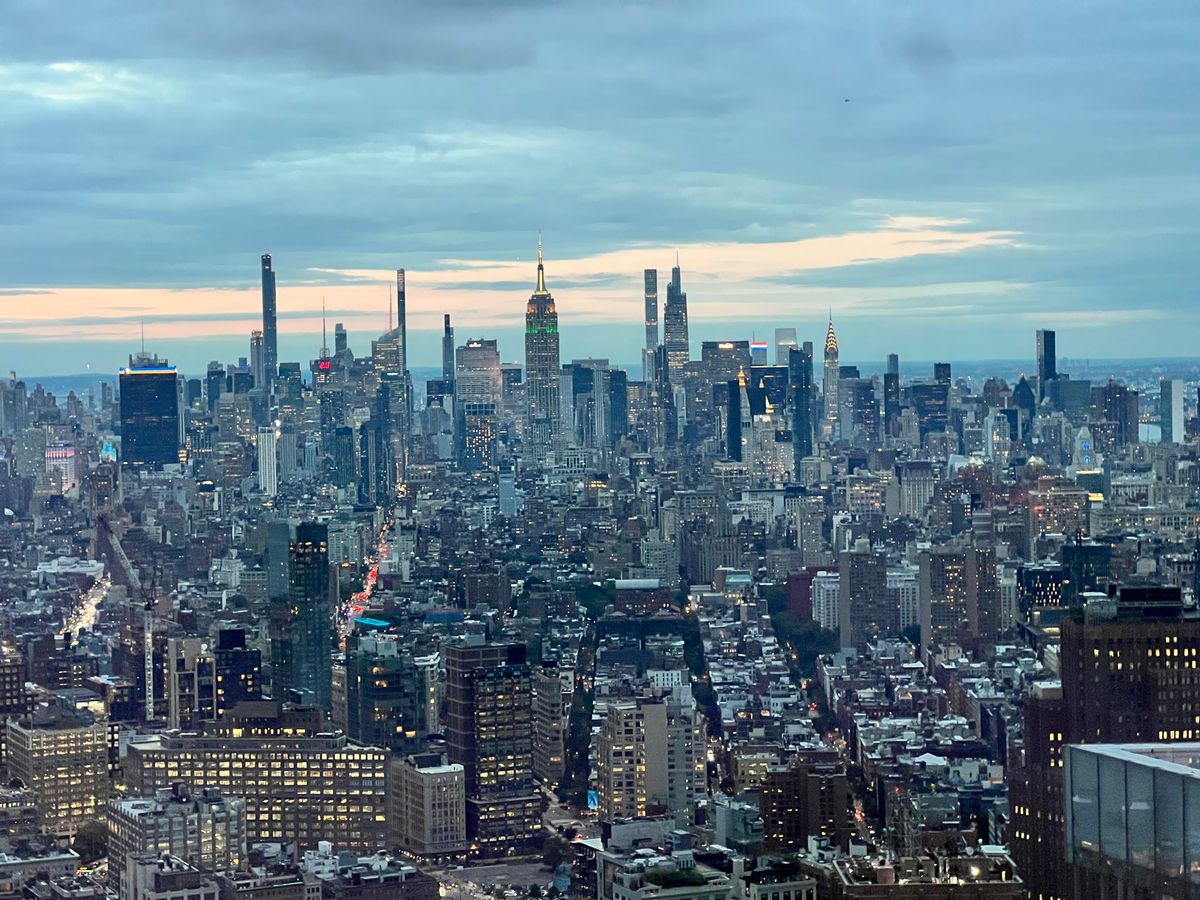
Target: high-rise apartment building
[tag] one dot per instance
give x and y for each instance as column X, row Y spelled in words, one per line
column 206, row 677
column 551, row 702
column 14, row 698
column 447, row 349
column 258, row 361
column 943, row 595
column 864, row 606
column 676, row 339
column 651, row 757
column 805, row 801
column 959, row 597
column 650, row 297
column 270, row 334
column 489, row 732
column 150, row 417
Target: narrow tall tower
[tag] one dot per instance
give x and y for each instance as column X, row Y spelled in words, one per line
column 401, row 321
column 675, row 327
column 650, row 283
column 447, row 349
column 270, row 337
column 404, row 425
column 542, row 369
column 829, row 384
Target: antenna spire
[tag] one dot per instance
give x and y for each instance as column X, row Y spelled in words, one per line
column 324, row 336
column 541, row 273
column 143, row 322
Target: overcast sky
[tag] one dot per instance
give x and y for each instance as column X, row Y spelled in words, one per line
column 947, row 177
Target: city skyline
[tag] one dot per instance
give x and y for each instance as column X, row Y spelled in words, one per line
column 795, row 186
column 814, row 514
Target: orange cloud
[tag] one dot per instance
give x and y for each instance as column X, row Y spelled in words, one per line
column 720, row 277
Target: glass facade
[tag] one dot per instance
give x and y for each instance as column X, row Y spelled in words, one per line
column 149, row 416
column 1134, row 810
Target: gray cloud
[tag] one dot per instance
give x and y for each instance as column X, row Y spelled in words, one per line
column 380, row 133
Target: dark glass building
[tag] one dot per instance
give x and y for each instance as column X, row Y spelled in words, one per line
column 1047, row 362
column 301, row 622
column 150, row 434
column 270, row 335
column 387, row 693
column 800, row 380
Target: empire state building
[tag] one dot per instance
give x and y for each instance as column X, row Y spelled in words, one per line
column 543, row 373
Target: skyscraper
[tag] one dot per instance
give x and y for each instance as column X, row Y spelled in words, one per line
column 447, row 349
column 785, row 341
column 542, row 369
column 270, row 337
column 1047, row 363
column 268, row 461
column 865, row 609
column 829, row 382
column 401, row 321
column 650, row 283
column 891, row 395
column 150, row 432
column 675, row 327
column 302, row 622
column 257, row 359
column 489, row 732
column 800, row 381
column 1170, row 410
column 477, row 375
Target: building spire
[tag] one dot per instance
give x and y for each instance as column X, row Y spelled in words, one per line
column 831, row 344
column 541, row 275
